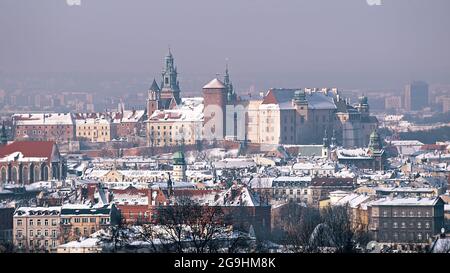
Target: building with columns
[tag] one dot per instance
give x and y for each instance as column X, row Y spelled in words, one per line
column 25, row 162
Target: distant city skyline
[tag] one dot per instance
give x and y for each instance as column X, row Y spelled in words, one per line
column 345, row 44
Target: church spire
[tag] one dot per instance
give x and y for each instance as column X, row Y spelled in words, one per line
column 170, row 86
column 231, row 96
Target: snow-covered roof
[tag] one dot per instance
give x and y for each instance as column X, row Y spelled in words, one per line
column 406, row 143
column 313, row 165
column 353, row 200
column 190, row 110
column 404, row 190
column 357, row 153
column 92, row 121
column 406, row 202
column 236, row 195
column 130, row 199
column 34, row 211
column 43, row 119
column 234, row 163
column 293, row 179
column 86, row 243
column 18, row 156
column 261, row 182
column 127, row 116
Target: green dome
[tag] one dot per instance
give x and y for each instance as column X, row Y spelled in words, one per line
column 375, row 141
column 178, row 158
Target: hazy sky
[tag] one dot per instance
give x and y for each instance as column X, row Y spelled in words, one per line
column 269, row 43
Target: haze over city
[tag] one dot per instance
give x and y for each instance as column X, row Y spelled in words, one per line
column 224, row 127
column 348, row 44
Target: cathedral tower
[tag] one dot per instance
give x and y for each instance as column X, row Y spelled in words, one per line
column 170, row 87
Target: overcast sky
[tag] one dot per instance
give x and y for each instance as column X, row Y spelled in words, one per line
column 269, row 43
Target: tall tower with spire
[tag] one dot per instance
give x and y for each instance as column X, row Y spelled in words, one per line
column 231, row 95
column 170, row 86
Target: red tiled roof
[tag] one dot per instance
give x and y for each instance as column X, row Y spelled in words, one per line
column 270, row 98
column 29, row 148
column 132, row 190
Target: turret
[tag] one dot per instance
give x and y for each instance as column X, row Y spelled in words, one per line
column 179, row 167
column 375, row 142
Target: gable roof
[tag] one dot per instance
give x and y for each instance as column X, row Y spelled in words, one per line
column 29, row 148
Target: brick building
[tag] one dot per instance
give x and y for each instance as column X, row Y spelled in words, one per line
column 59, row 127
column 321, row 187
column 127, row 123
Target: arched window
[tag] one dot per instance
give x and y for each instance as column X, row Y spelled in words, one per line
column 44, row 173
column 37, row 174
column 14, row 175
column 25, row 175
column 3, row 175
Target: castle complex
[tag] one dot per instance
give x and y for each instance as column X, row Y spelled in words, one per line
column 281, row 116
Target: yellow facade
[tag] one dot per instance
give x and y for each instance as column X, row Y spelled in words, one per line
column 163, row 133
column 93, row 130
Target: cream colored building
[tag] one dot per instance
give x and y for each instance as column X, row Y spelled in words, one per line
column 36, row 229
column 297, row 116
column 172, row 127
column 93, row 129
column 291, row 116
column 253, row 119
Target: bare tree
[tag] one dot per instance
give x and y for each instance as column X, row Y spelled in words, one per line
column 297, row 226
column 118, row 236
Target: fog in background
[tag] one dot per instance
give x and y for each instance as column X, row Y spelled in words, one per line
column 119, row 45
